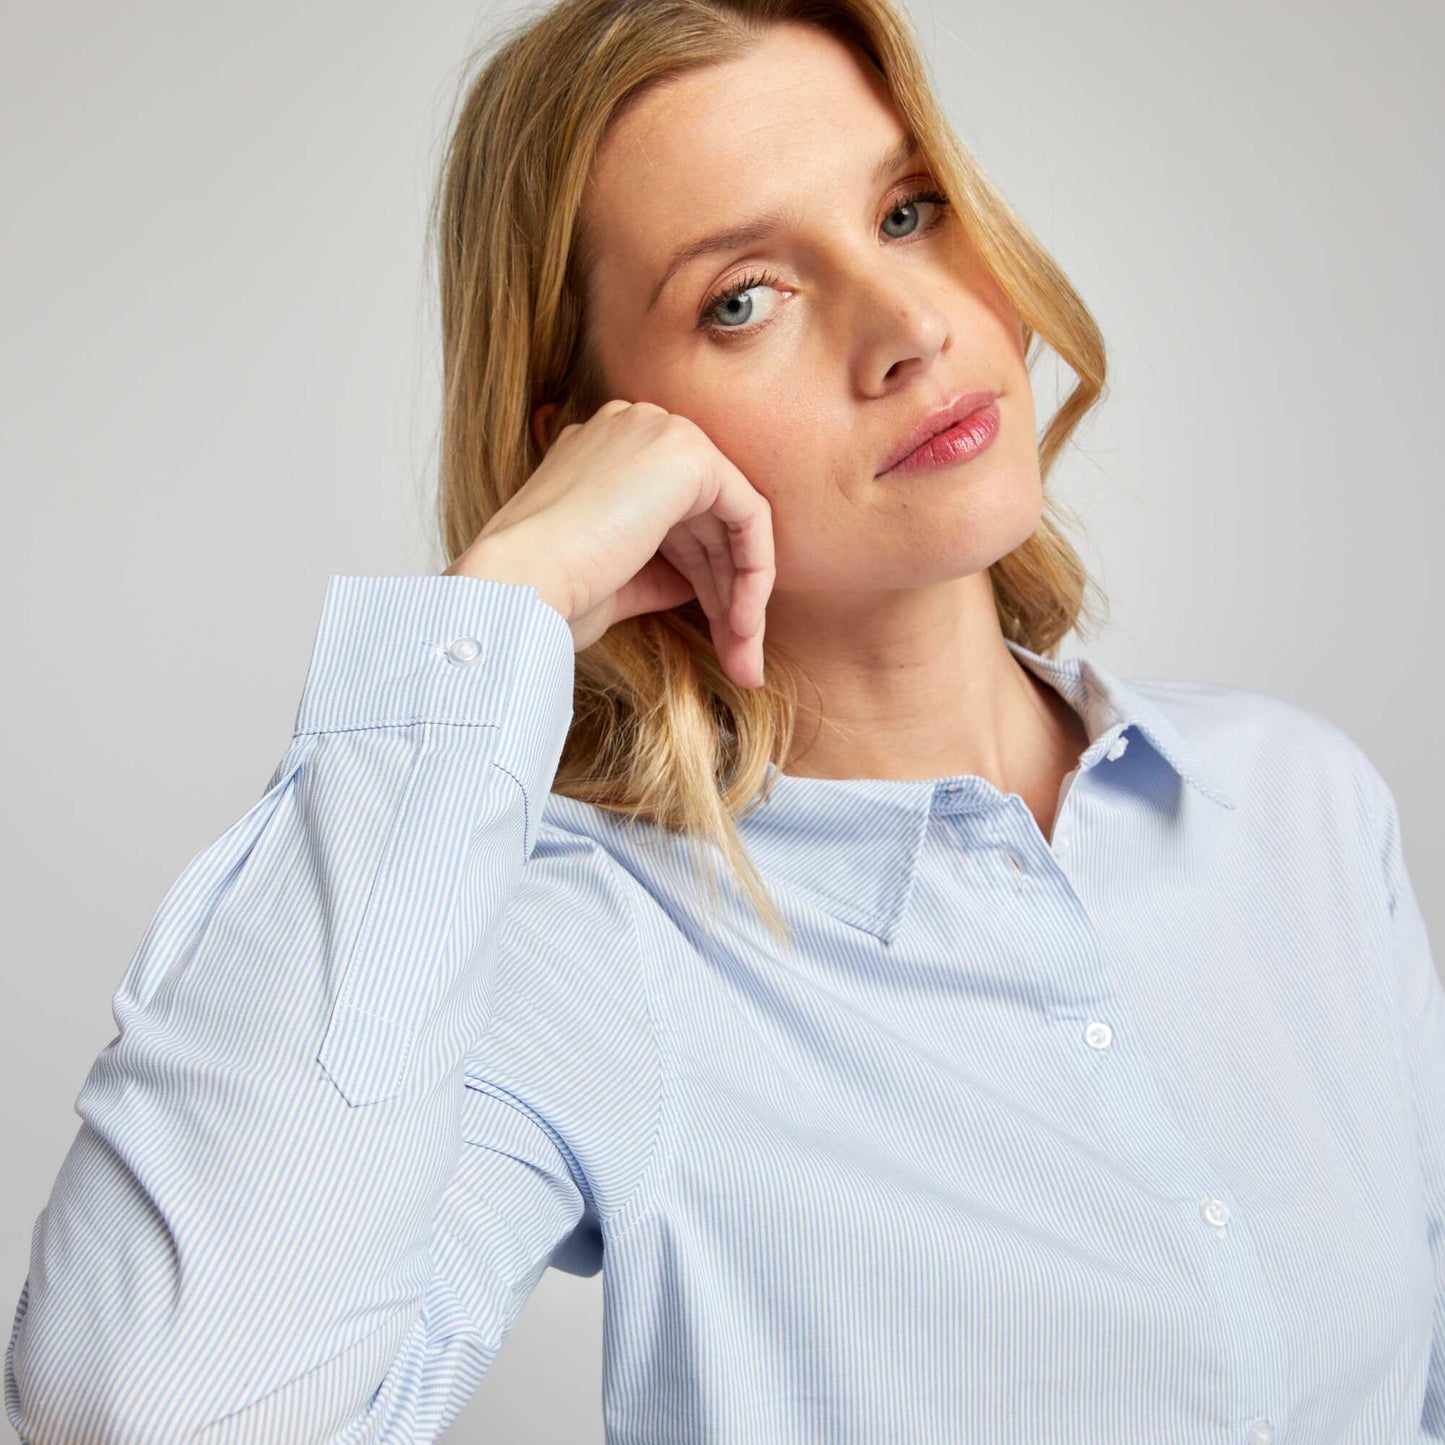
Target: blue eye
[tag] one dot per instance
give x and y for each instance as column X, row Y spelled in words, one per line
column 910, row 202
column 710, row 318
column 715, row 303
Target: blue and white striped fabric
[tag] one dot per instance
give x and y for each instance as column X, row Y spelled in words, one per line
column 1134, row 1136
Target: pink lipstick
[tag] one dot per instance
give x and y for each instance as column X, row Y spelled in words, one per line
column 953, row 435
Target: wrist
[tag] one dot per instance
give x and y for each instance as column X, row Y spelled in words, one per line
column 494, row 558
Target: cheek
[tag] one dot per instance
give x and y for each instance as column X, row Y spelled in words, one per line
column 780, row 445
column 743, row 426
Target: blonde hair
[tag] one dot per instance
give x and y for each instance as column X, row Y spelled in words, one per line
column 660, row 734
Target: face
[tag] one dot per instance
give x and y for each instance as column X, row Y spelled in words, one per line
column 863, row 311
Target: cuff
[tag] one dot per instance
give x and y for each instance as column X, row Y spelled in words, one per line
column 398, row 650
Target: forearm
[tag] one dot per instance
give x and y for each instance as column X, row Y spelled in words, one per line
column 264, row 1146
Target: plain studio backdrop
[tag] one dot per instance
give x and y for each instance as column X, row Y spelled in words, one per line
column 220, row 373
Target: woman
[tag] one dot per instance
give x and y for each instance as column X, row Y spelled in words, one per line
column 1080, row 1071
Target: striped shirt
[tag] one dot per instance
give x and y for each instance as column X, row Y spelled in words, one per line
column 1135, row 1134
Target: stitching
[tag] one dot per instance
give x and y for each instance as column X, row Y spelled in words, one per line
column 526, row 807
column 400, row 723
column 637, row 1197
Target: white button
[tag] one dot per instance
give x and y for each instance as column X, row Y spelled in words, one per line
column 464, row 650
column 1014, row 859
column 1261, row 1432
column 1215, row 1211
column 1098, row 1035
column 1116, row 749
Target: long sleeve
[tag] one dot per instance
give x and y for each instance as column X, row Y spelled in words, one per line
column 285, row 1216
column 1421, row 999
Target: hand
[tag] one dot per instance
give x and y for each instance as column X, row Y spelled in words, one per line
column 632, row 511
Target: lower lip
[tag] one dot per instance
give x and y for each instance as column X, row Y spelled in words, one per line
column 961, row 441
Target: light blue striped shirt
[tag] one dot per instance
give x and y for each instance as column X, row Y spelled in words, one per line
column 1135, row 1136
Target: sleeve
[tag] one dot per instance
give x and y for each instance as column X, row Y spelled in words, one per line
column 1421, row 998
column 285, row 1215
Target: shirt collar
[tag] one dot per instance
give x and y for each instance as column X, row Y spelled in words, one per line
column 852, row 843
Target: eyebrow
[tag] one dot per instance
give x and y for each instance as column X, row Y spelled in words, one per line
column 767, row 223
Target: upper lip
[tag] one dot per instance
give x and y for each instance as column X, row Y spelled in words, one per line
column 938, row 420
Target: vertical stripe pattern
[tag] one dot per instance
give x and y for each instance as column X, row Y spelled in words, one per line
column 1135, row 1131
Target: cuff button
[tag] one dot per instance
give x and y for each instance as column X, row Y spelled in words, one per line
column 464, row 650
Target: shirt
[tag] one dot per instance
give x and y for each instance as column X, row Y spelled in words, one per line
column 1137, row 1134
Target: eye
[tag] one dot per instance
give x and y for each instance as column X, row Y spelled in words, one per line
column 910, row 203
column 721, row 303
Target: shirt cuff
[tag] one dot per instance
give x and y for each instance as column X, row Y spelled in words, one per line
column 398, row 650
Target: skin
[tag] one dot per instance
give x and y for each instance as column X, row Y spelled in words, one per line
column 877, row 315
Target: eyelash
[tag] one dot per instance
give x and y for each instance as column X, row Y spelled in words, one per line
column 707, row 318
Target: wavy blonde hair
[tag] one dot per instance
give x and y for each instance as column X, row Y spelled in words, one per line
column 660, row 734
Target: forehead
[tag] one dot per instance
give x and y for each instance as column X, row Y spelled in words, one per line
column 801, row 107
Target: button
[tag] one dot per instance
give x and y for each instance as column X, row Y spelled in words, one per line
column 464, row 650
column 1215, row 1211
column 1098, row 1035
column 1116, row 748
column 1261, row 1432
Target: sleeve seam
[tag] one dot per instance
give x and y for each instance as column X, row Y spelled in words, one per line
column 638, row 1199
column 636, row 1191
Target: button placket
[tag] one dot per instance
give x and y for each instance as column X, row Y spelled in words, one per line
column 1123, row 1085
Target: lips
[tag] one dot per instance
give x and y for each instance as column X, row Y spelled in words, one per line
column 939, row 419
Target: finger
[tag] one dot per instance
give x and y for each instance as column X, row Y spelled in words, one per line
column 712, row 535
column 751, row 591
column 743, row 658
column 692, row 559
column 686, row 552
column 752, row 586
column 748, row 518
column 728, row 646
column 658, row 586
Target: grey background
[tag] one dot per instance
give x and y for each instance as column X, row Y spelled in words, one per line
column 220, row 381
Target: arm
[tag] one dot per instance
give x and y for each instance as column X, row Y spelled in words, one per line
column 1421, row 998
column 284, row 1215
